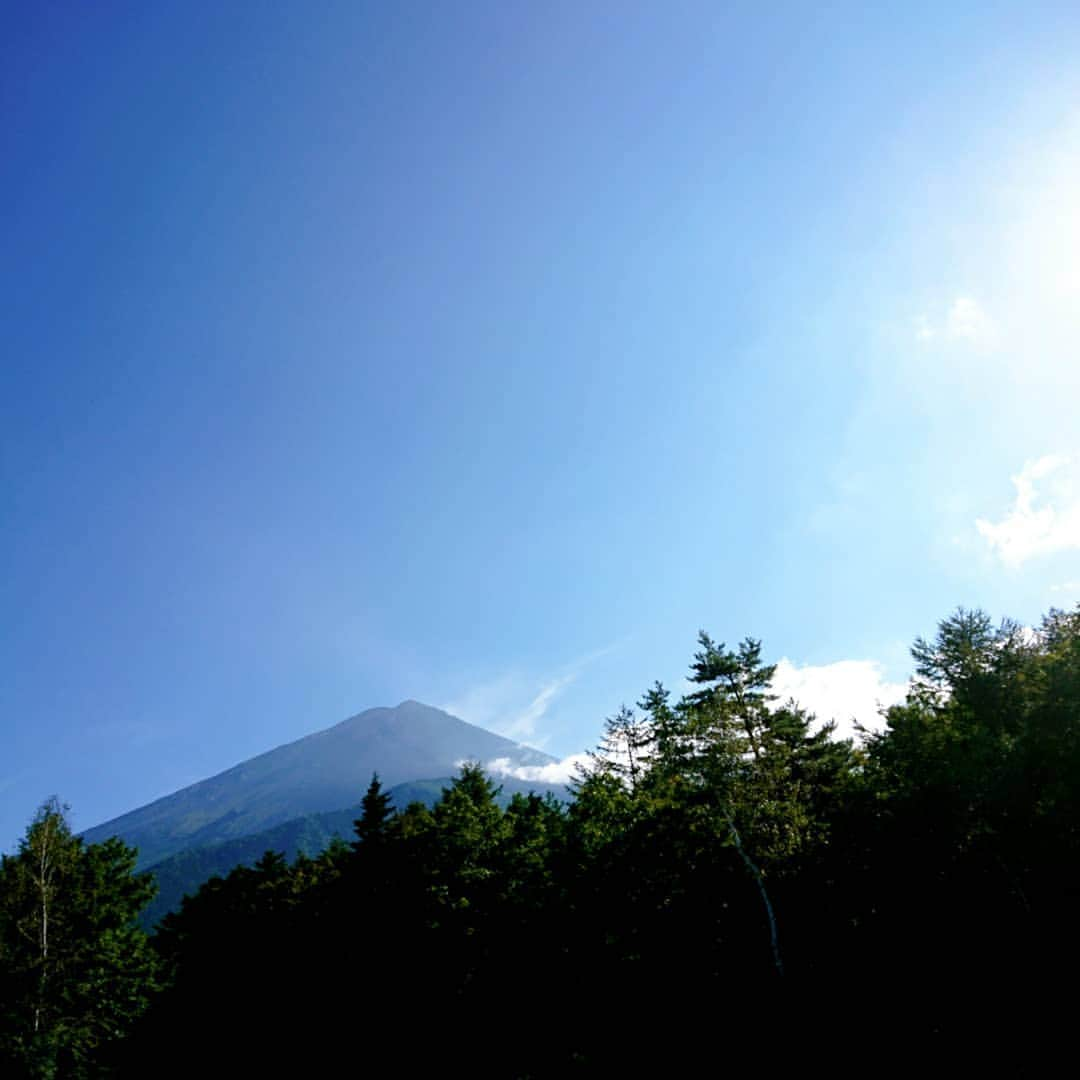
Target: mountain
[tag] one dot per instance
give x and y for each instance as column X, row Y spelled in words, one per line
column 328, row 770
column 184, row 872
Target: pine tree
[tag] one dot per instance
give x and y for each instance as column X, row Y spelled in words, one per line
column 372, row 827
column 624, row 747
column 732, row 708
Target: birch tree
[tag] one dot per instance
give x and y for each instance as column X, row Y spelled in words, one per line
column 75, row 970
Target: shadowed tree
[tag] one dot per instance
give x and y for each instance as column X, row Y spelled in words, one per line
column 75, row 969
column 373, row 826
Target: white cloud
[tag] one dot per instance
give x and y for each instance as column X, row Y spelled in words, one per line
column 845, row 691
column 1045, row 516
column 966, row 320
column 514, row 704
column 558, row 772
column 1072, row 587
column 522, row 725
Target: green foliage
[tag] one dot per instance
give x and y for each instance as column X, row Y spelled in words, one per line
column 624, row 747
column 466, row 840
column 75, row 970
column 713, row 843
column 373, row 825
column 183, row 873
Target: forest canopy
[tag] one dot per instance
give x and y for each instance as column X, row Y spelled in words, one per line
column 724, row 855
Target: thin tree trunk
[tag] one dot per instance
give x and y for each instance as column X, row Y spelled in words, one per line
column 756, row 874
column 44, row 884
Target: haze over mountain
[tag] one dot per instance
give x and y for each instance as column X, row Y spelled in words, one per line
column 328, row 770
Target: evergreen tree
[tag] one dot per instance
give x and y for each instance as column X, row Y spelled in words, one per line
column 670, row 748
column 469, row 831
column 373, row 826
column 624, row 747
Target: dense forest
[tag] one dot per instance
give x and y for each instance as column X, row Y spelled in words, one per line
column 729, row 881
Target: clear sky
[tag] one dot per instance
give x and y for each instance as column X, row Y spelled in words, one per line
column 484, row 353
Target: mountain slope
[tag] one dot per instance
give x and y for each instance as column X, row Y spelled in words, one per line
column 324, row 771
column 185, row 871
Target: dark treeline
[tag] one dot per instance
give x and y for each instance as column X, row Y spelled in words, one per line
column 730, row 882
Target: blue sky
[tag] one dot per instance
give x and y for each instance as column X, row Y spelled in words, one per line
column 483, row 353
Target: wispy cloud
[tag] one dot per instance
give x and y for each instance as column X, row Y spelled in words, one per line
column 523, row 724
column 1045, row 515
column 966, row 320
column 514, row 704
column 487, row 703
column 847, row 691
column 924, row 329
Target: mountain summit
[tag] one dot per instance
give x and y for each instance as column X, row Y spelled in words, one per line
column 325, row 771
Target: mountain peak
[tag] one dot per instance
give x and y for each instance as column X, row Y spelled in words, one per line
column 327, row 770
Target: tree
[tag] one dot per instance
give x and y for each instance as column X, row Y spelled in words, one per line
column 624, row 747
column 469, row 831
column 75, row 969
column 372, row 827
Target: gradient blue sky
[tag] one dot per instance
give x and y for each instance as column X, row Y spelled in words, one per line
column 483, row 353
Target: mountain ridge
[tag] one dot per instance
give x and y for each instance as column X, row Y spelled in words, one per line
column 322, row 771
column 183, row 872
